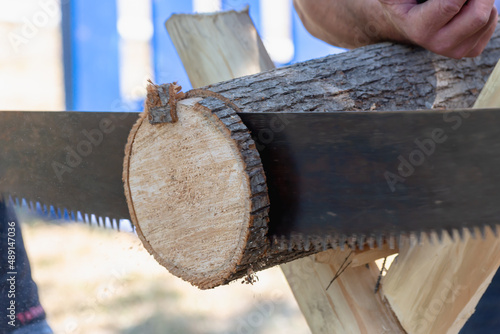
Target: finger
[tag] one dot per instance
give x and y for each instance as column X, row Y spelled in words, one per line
column 454, row 40
column 485, row 38
column 470, row 46
column 435, row 14
column 472, row 18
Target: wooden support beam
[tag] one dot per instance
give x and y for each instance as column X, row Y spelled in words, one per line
column 435, row 287
column 357, row 258
column 215, row 48
column 349, row 305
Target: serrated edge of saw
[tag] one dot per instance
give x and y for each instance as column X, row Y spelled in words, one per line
column 55, row 212
column 317, row 243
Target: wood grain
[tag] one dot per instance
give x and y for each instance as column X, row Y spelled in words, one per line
column 212, row 36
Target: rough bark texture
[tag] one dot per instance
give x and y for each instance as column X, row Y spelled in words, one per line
column 379, row 77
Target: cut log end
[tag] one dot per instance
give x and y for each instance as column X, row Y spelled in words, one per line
column 195, row 194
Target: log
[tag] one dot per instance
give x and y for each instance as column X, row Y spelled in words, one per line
column 173, row 180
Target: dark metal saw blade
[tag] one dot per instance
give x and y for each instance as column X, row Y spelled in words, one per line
column 338, row 174
column 68, row 160
column 379, row 174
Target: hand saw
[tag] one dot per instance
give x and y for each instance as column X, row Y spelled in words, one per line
column 376, row 174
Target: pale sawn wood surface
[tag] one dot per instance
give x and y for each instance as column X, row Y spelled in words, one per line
column 233, row 31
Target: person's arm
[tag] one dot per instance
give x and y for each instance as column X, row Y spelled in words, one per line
column 453, row 28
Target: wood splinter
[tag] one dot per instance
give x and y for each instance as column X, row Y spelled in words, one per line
column 161, row 104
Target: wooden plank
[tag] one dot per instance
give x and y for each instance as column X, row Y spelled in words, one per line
column 349, row 305
column 204, row 41
column 435, row 287
column 358, row 257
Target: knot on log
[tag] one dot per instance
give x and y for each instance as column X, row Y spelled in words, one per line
column 161, row 102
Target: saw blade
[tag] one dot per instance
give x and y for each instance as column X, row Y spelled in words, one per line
column 373, row 176
column 67, row 163
column 333, row 177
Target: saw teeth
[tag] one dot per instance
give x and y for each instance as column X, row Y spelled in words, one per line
column 461, row 232
column 392, row 241
column 452, row 235
column 472, row 232
column 400, row 240
column 283, row 244
column 494, row 229
column 420, row 235
column 361, row 242
column 430, row 236
column 482, row 230
column 380, row 241
column 440, row 235
column 352, row 241
column 342, row 241
column 327, row 242
column 317, row 243
column 307, row 244
column 371, row 242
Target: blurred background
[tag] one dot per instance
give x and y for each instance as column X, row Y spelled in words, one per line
column 90, row 55
column 97, row 55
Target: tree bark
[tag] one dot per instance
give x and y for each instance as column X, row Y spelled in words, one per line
column 206, row 221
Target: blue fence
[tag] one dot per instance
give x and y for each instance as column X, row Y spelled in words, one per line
column 91, row 45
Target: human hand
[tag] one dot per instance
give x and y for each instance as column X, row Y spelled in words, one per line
column 452, row 28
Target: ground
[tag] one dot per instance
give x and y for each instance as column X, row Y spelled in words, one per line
column 93, row 280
